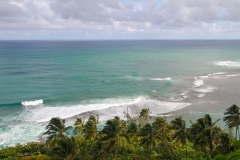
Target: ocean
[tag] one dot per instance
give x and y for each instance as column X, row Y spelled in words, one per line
column 68, row 79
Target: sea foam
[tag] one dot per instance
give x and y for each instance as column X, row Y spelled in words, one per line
column 32, row 103
column 233, row 75
column 44, row 114
column 206, row 90
column 161, row 79
column 228, row 63
column 198, row 83
column 219, row 73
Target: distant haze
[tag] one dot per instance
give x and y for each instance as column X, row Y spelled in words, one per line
column 119, row 19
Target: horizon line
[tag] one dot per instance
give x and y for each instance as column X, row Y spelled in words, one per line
column 112, row 39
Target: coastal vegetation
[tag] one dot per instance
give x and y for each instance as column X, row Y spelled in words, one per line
column 135, row 139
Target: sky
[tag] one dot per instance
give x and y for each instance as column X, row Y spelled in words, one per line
column 119, row 19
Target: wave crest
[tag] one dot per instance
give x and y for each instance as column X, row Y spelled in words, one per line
column 198, row 83
column 161, row 79
column 228, row 63
column 32, row 103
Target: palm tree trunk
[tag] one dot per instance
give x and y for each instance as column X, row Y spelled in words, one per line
column 211, row 148
column 236, row 132
column 186, row 151
column 151, row 148
column 205, row 151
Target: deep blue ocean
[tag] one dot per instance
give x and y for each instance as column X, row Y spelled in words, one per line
column 44, row 79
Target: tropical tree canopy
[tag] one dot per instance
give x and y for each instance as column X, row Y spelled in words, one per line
column 55, row 130
column 78, row 126
column 148, row 137
column 129, row 140
column 232, row 119
column 90, row 128
column 65, row 149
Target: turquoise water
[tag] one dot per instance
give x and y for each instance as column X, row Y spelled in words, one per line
column 72, row 77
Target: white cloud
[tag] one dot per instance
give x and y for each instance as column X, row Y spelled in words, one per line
column 116, row 18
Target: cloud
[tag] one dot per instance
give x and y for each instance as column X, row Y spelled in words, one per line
column 112, row 18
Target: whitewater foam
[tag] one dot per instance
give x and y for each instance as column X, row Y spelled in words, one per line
column 161, row 79
column 44, row 114
column 228, row 63
column 32, row 103
column 233, row 75
column 198, row 83
column 206, row 90
column 219, row 73
column 160, row 107
column 204, row 77
column 21, row 133
column 133, row 78
column 201, row 95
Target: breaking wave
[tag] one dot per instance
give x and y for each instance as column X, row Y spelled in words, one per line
column 228, row 63
column 44, row 114
column 32, row 103
column 106, row 108
column 198, row 83
column 161, row 79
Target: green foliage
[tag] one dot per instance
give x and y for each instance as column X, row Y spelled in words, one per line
column 181, row 133
column 144, row 116
column 133, row 132
column 65, row 149
column 128, row 140
column 78, row 126
column 83, row 146
column 208, row 157
column 56, row 129
column 38, row 157
column 225, row 143
column 220, row 157
column 33, row 149
column 236, row 143
column 232, row 119
column 90, row 128
column 114, row 133
column 204, row 134
column 234, row 155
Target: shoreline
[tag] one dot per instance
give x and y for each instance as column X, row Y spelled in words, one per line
column 215, row 102
column 212, row 103
column 188, row 106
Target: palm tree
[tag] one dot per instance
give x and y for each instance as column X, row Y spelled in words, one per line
column 56, row 129
column 194, row 132
column 133, row 131
column 90, row 128
column 113, row 132
column 162, row 128
column 204, row 133
column 162, row 131
column 65, row 149
column 148, row 137
column 225, row 141
column 181, row 132
column 99, row 151
column 78, row 126
column 144, row 115
column 232, row 118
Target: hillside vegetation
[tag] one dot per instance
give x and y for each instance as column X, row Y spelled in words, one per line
column 135, row 139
